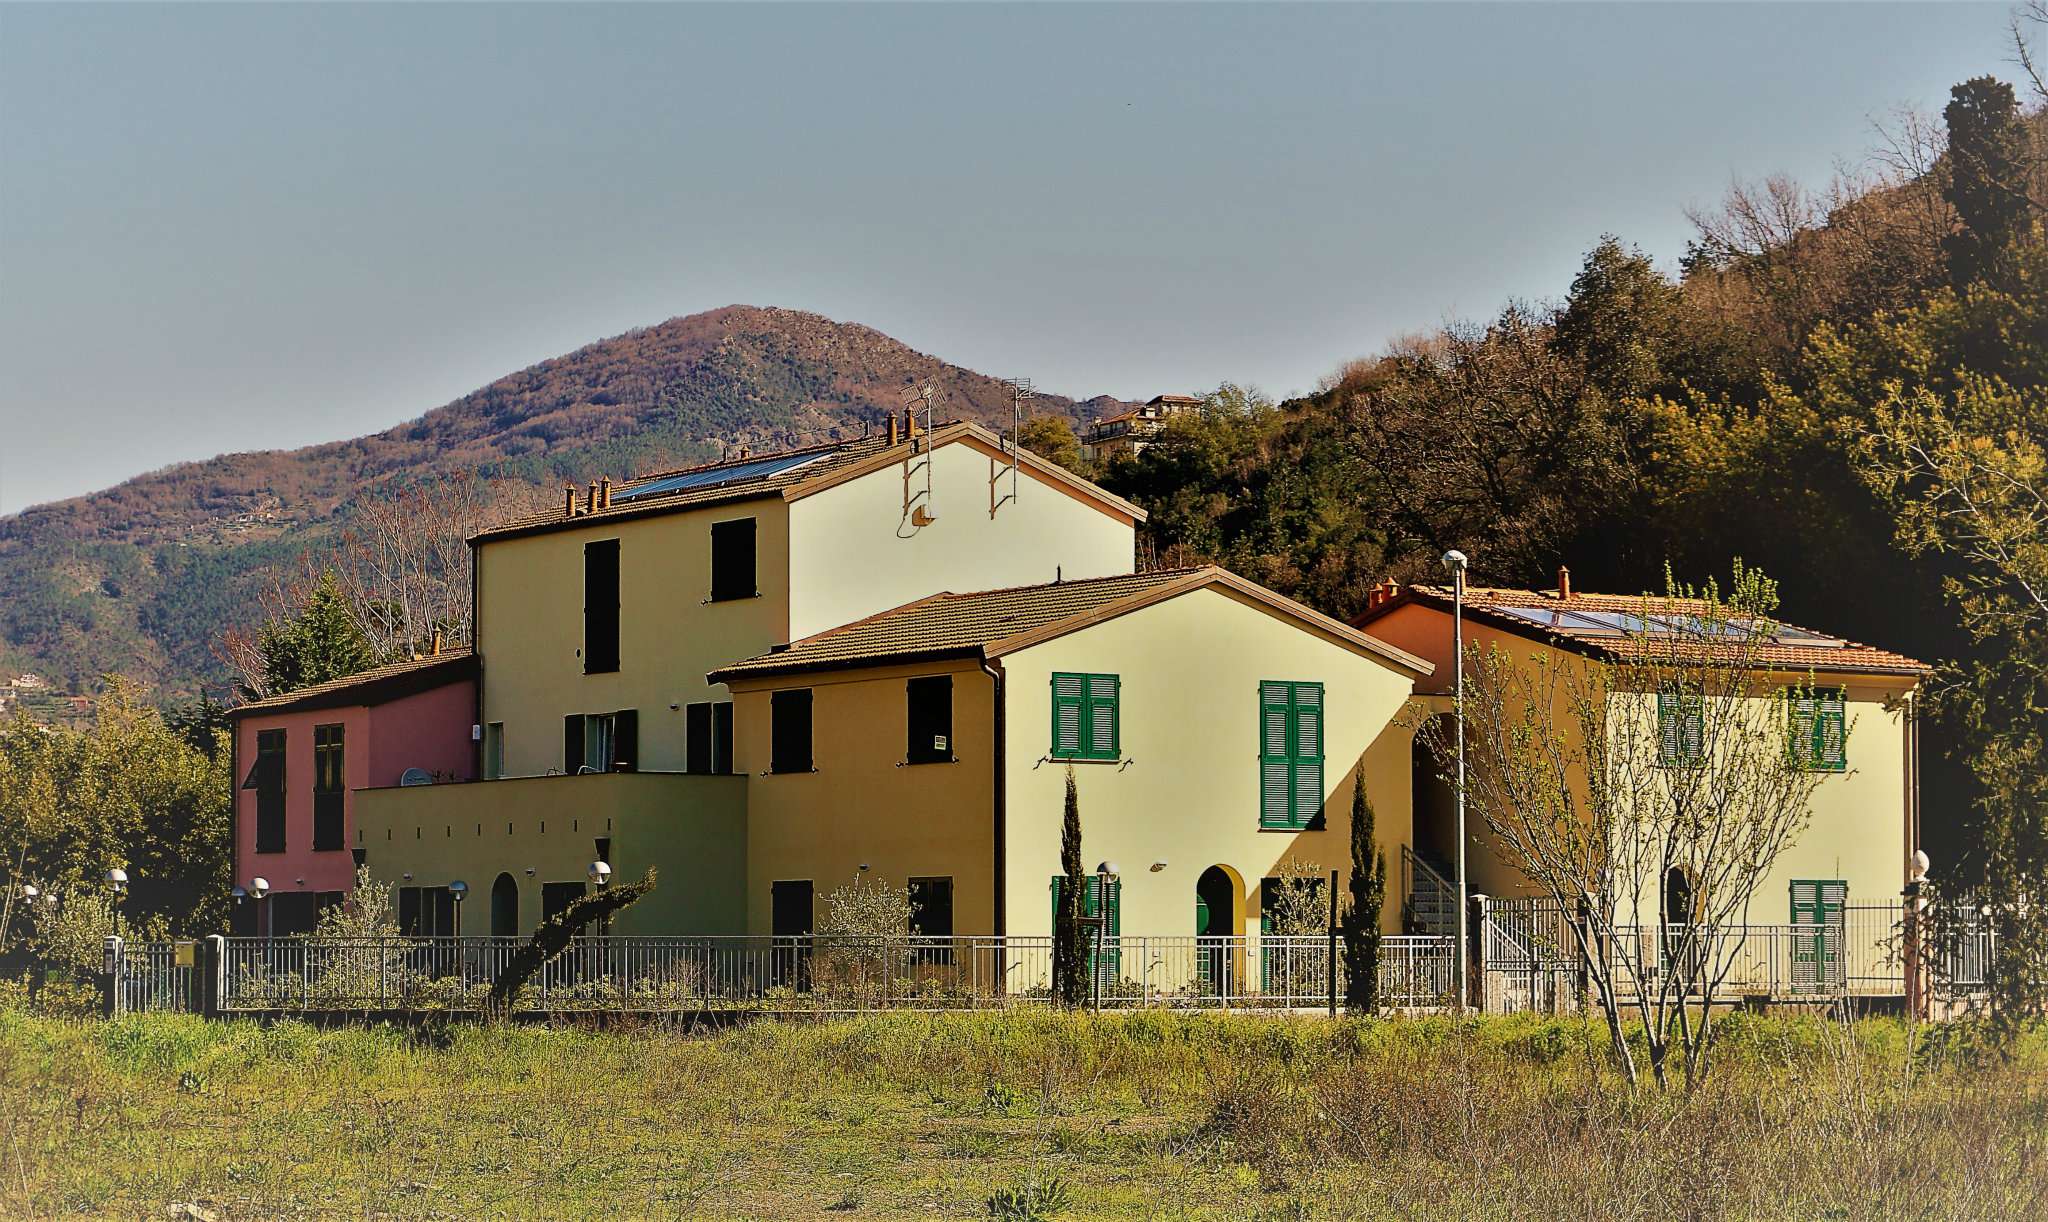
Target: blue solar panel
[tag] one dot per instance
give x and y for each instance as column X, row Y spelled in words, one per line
column 712, row 477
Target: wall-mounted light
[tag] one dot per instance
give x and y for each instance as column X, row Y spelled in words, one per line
column 1159, row 865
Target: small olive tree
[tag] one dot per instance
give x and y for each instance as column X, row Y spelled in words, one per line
column 1674, row 751
column 864, row 934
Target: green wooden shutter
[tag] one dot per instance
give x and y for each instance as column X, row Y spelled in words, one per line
column 1276, row 766
column 1831, row 732
column 1817, row 905
column 1102, row 717
column 1069, row 705
column 1308, row 753
column 1681, row 729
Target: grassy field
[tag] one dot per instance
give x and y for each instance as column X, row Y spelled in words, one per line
column 1150, row 1114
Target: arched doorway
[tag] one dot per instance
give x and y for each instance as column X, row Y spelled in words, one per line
column 1215, row 924
column 505, row 907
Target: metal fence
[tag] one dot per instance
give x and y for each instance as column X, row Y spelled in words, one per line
column 1531, row 956
column 152, row 975
column 821, row 973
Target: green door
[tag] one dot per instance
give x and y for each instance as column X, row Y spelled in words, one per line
column 1817, row 906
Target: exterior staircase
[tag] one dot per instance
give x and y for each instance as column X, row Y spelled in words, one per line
column 1433, row 899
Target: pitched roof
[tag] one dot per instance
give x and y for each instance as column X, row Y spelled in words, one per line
column 789, row 474
column 991, row 623
column 1612, row 625
column 377, row 685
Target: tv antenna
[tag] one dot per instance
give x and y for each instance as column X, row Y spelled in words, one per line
column 1020, row 390
column 917, row 504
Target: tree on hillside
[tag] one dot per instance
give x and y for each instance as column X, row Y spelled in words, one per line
column 1368, row 899
column 1619, row 319
column 1646, row 796
column 403, row 562
column 318, row 641
column 1052, row 438
column 1069, row 947
column 1989, row 152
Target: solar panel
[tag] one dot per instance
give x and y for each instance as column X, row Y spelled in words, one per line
column 1560, row 620
column 713, row 477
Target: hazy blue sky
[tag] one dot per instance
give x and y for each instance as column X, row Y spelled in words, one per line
column 240, row 228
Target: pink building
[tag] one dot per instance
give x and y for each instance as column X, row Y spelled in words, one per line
column 301, row 756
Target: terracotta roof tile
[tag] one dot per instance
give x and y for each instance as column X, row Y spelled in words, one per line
column 373, row 686
column 1498, row 607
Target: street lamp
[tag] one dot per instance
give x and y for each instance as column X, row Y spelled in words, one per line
column 600, row 873
column 260, row 889
column 117, row 883
column 1105, row 875
column 1454, row 564
column 458, row 891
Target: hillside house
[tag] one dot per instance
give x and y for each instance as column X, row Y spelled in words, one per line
column 1129, row 432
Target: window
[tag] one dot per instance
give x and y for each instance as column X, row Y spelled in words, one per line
column 601, row 742
column 267, row 779
column 1084, row 717
column 555, row 898
column 426, row 912
column 707, row 738
column 1681, row 730
column 1819, row 728
column 930, row 719
column 494, row 751
column 1290, row 754
column 931, row 907
column 732, row 560
column 330, row 788
column 601, row 607
column 789, row 736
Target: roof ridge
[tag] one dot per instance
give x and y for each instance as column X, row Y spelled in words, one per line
column 1068, row 582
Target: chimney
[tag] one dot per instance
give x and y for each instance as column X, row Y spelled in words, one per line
column 437, row 642
column 569, row 501
column 604, row 492
column 1564, row 582
column 892, row 428
column 590, row 504
column 910, row 428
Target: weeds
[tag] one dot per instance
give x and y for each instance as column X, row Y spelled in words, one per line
column 1195, row 1115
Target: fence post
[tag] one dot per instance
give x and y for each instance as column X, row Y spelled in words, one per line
column 1333, row 944
column 1477, row 954
column 111, row 1004
column 212, row 971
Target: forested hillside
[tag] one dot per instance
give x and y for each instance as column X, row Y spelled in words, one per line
column 142, row 578
column 1741, row 407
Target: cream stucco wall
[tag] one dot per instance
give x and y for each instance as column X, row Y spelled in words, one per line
column 864, row 804
column 1187, row 789
column 530, row 628
column 692, row 829
column 854, row 551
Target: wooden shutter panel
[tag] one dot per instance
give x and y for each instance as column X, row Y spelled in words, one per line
column 626, row 739
column 572, row 743
column 1831, row 732
column 1308, row 753
column 1069, row 696
column 1102, row 716
column 1667, row 728
column 1276, row 769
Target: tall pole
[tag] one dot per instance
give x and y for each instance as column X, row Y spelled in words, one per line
column 1455, row 561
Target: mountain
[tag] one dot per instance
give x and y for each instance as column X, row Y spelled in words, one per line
column 141, row 578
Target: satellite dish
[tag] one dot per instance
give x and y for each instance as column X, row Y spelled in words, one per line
column 416, row 776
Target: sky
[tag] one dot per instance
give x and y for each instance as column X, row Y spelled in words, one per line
column 234, row 228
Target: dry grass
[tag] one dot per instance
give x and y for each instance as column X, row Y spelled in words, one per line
column 1152, row 1113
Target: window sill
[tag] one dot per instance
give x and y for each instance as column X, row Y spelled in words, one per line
column 921, row 763
column 1318, row 824
column 271, row 852
column 1076, row 759
column 730, row 598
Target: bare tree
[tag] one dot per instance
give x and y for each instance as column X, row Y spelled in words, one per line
column 1666, row 757
column 404, row 562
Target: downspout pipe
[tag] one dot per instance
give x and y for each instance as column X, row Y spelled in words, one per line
column 999, row 791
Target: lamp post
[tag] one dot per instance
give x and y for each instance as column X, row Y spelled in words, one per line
column 259, row 890
column 117, row 884
column 1105, row 876
column 1454, row 563
column 600, row 873
column 458, row 891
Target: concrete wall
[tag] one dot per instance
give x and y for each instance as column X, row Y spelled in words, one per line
column 855, row 552
column 864, row 804
column 1187, row 789
column 530, row 628
column 692, row 829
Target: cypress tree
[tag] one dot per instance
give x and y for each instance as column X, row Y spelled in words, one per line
column 1361, row 928
column 1069, row 973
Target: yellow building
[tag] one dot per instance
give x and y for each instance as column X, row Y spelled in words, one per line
column 1864, row 826
column 597, row 621
column 1214, row 728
